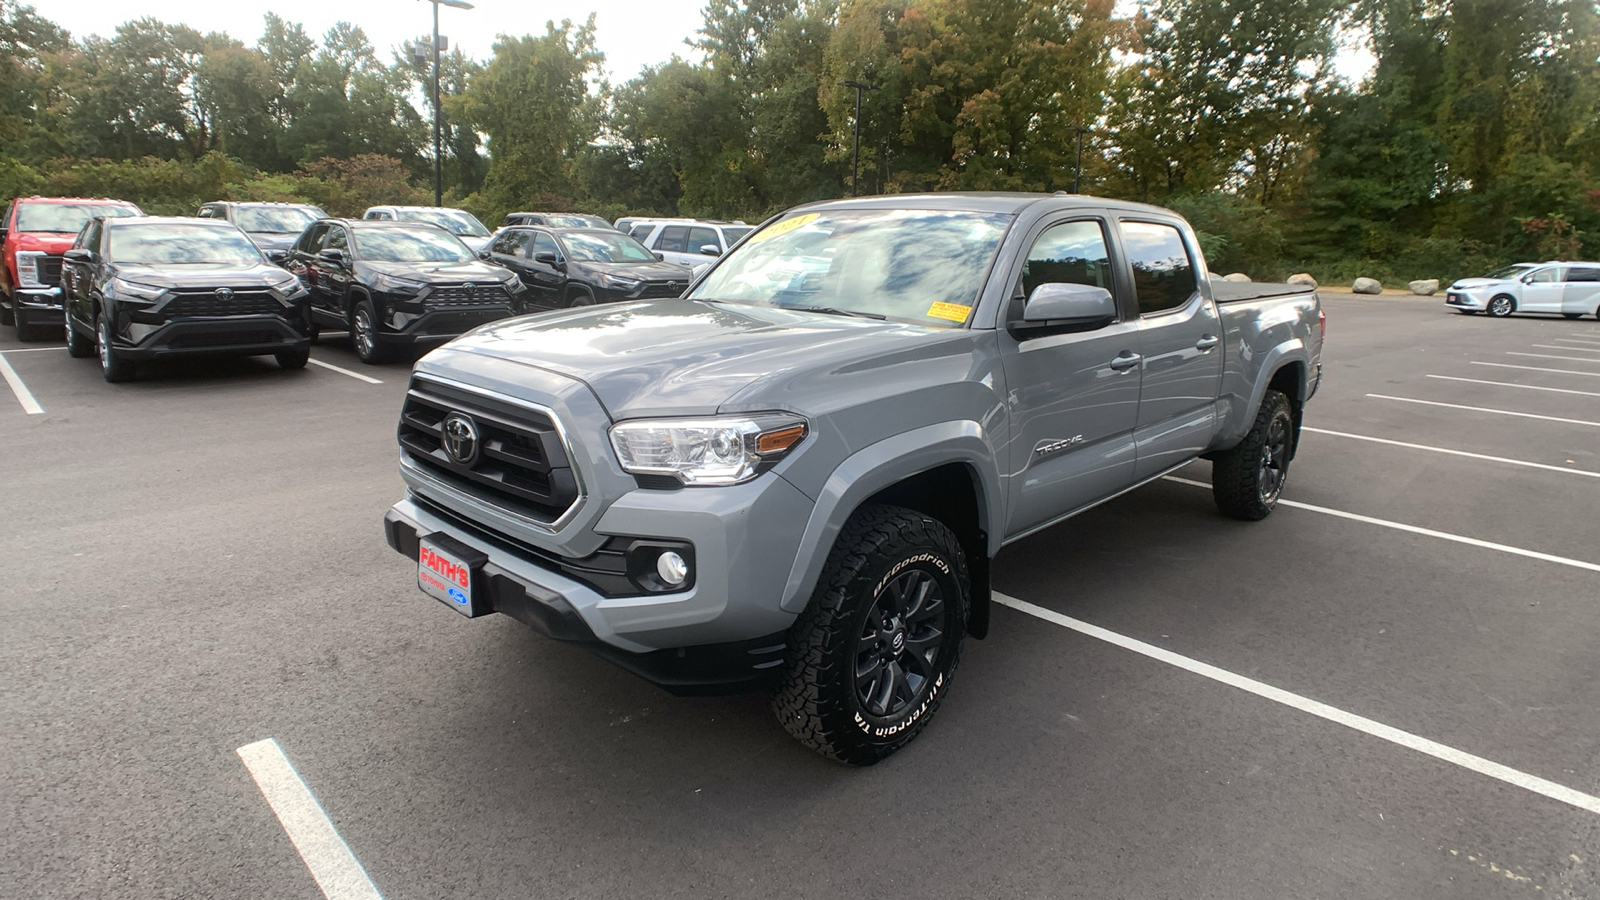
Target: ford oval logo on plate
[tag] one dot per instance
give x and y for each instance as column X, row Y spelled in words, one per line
column 457, row 596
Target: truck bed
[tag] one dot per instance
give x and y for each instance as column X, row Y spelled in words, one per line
column 1237, row 291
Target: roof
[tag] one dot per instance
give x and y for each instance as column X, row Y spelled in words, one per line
column 120, row 221
column 260, row 203
column 456, row 209
column 977, row 201
column 381, row 223
column 38, row 199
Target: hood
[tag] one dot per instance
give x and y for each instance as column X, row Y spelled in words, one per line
column 1469, row 283
column 45, row 241
column 442, row 273
column 687, row 357
column 202, row 275
column 649, row 271
column 272, row 240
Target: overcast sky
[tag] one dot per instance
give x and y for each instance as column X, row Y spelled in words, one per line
column 632, row 33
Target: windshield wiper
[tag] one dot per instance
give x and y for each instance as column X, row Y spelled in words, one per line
column 835, row 311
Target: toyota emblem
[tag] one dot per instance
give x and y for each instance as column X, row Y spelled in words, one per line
column 469, row 287
column 460, row 438
column 224, row 294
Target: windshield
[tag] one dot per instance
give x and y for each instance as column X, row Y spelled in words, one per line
column 178, row 244
column 1512, row 271
column 921, row 265
column 613, row 247
column 276, row 219
column 457, row 222
column 421, row 245
column 65, row 218
column 563, row 220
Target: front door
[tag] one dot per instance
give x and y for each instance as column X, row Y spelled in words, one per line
column 1073, row 397
column 546, row 281
column 1542, row 290
column 1180, row 337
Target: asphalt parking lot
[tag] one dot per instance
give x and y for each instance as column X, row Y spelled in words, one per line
column 1386, row 689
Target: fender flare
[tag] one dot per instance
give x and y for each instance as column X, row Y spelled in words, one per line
column 1290, row 351
column 877, row 466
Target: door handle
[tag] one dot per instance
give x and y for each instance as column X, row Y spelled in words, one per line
column 1206, row 342
column 1126, row 362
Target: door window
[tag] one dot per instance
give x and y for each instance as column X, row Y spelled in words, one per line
column 1548, row 275
column 544, row 243
column 208, row 212
column 1068, row 253
column 512, row 243
column 337, row 240
column 700, row 237
column 673, row 239
column 1163, row 272
column 312, row 239
column 1588, row 276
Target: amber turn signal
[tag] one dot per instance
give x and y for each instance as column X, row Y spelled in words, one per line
column 780, row 440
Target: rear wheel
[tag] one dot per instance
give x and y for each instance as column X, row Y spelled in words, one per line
column 1502, row 306
column 293, row 359
column 1247, row 480
column 112, row 365
column 78, row 346
column 871, row 657
column 364, row 334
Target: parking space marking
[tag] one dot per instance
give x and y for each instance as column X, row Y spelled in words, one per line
column 24, row 396
column 1544, row 787
column 335, row 868
column 1486, row 458
column 1482, row 409
column 1511, row 384
column 1551, row 356
column 1536, row 369
column 30, row 349
column 356, row 375
column 1416, row 529
column 1568, row 349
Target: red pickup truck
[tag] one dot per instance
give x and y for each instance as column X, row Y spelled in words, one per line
column 35, row 232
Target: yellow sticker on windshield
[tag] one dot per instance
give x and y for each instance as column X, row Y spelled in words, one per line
column 955, row 312
column 781, row 228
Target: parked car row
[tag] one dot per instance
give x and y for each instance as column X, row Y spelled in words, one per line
column 1571, row 289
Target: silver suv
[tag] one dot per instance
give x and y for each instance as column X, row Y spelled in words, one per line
column 689, row 242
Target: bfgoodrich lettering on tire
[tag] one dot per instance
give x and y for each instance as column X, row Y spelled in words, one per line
column 871, row 657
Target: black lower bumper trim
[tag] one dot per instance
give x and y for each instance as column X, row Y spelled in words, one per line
column 701, row 670
column 242, row 336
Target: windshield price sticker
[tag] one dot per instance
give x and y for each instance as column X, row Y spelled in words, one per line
column 955, row 312
column 778, row 229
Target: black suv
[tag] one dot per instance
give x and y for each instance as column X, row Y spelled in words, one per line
column 397, row 283
column 580, row 266
column 146, row 287
column 273, row 226
column 555, row 220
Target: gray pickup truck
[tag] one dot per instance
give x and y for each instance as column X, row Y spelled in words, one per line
column 795, row 477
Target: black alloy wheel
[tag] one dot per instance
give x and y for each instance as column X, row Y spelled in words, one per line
column 1273, row 466
column 1501, row 306
column 1247, row 480
column 897, row 651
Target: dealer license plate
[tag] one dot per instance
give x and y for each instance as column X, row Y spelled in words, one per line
column 446, row 577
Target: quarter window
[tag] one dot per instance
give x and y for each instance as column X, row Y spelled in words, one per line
column 673, row 239
column 1163, row 272
column 1068, row 253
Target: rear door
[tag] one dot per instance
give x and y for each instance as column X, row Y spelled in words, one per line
column 672, row 242
column 1542, row 290
column 510, row 249
column 1074, row 397
column 1180, row 338
column 1581, row 296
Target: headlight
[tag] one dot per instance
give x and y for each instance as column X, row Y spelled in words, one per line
column 723, row 450
column 123, row 289
column 620, row 282
column 399, row 285
column 28, row 268
column 289, row 290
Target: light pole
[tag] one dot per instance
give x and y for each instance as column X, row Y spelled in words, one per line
column 1077, row 169
column 855, row 152
column 438, row 127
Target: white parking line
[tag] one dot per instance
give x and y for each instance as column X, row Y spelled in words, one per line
column 1568, row 349
column 1558, row 792
column 30, row 349
column 334, row 867
column 1551, row 356
column 24, row 396
column 1497, row 459
column 1498, row 412
column 1511, row 384
column 1425, row 532
column 1536, row 369
column 1582, row 336
column 356, row 375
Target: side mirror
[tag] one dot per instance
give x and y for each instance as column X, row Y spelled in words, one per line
column 548, row 258
column 710, row 250
column 1059, row 308
column 485, row 254
column 331, row 255
column 660, row 257
column 78, row 255
column 277, row 256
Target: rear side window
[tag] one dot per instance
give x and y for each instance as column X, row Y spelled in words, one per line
column 640, row 232
column 1163, row 272
column 1584, row 275
column 1070, row 253
column 701, row 237
column 673, row 239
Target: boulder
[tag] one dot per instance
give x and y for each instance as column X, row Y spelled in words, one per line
column 1426, row 287
column 1367, row 286
column 1236, row 276
column 1302, row 278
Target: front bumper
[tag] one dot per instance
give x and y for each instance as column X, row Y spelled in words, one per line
column 38, row 305
column 527, row 588
column 1460, row 300
column 403, row 326
column 231, row 335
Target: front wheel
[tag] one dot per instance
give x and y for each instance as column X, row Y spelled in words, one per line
column 113, row 366
column 1247, row 480
column 364, row 334
column 871, row 657
column 1501, row 306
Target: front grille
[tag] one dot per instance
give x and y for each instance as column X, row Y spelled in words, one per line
column 461, row 295
column 659, row 289
column 50, row 271
column 521, row 464
column 224, row 339
column 242, row 303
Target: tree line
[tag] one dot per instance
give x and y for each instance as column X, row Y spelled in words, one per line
column 1474, row 139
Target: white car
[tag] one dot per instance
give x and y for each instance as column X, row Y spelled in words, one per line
column 458, row 222
column 1571, row 289
column 688, row 242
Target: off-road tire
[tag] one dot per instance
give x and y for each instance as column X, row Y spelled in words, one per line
column 115, row 368
column 1247, row 480
column 78, row 346
column 1497, row 309
column 880, row 549
column 292, row 359
column 364, row 335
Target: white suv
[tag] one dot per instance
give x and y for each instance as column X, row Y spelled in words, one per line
column 688, row 242
column 458, row 222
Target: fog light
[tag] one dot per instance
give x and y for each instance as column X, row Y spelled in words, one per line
column 672, row 568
